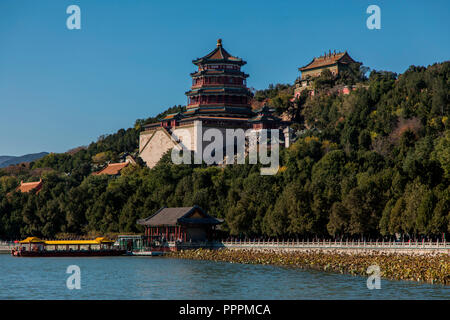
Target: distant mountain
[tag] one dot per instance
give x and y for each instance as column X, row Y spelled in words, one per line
column 9, row 160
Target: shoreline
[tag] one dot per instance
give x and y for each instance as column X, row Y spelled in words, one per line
column 432, row 268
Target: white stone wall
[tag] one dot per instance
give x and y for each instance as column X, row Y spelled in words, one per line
column 153, row 145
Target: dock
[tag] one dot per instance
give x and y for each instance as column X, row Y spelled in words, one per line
column 145, row 253
column 5, row 249
column 6, row 246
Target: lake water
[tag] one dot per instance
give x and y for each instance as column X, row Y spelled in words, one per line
column 167, row 278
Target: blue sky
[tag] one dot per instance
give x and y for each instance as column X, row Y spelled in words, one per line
column 63, row 88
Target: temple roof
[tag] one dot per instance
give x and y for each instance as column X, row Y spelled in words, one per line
column 219, row 54
column 112, row 169
column 265, row 114
column 29, row 186
column 327, row 60
column 180, row 215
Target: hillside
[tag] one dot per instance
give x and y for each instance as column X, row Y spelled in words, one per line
column 11, row 160
column 373, row 163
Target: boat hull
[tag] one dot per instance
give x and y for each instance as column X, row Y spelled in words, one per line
column 92, row 253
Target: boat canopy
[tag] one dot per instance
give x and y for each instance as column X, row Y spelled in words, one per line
column 32, row 240
column 99, row 240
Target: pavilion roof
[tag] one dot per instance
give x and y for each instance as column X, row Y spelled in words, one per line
column 219, row 54
column 32, row 240
column 180, row 215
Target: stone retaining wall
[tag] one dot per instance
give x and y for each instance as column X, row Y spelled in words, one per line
column 339, row 247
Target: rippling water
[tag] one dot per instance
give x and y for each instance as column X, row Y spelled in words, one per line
column 166, row 278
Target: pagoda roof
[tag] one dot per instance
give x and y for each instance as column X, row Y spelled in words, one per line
column 219, row 54
column 218, row 109
column 219, row 72
column 218, row 90
column 328, row 59
column 180, row 215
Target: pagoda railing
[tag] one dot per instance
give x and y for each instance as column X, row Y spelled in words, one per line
column 218, row 104
column 217, row 84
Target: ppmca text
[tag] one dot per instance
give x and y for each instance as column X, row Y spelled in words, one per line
column 227, row 309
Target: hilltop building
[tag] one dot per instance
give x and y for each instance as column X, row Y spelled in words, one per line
column 219, row 98
column 30, row 186
column 335, row 62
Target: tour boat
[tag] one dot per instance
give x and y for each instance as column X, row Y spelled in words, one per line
column 35, row 247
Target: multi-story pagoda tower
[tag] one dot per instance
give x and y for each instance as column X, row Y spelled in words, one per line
column 219, row 86
column 219, row 99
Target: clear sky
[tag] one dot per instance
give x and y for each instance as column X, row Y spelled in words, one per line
column 62, row 88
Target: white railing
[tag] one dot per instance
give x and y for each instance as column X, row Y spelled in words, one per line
column 6, row 246
column 337, row 244
column 6, row 243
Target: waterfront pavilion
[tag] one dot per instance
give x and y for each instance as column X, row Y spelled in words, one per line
column 182, row 224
